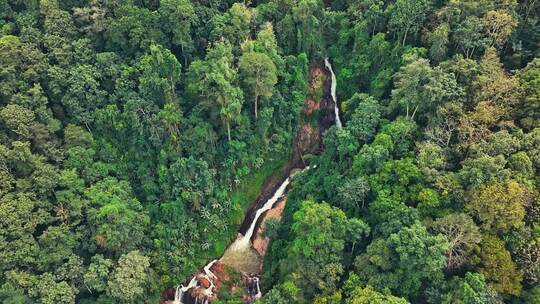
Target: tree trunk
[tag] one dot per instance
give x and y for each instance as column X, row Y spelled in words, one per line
column 184, row 55
column 256, row 102
column 228, row 130
column 414, row 112
column 405, row 36
column 407, row 113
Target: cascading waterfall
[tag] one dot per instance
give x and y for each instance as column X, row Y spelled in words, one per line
column 242, row 245
column 207, row 270
column 208, row 274
column 244, row 241
column 254, row 289
column 181, row 290
column 333, row 92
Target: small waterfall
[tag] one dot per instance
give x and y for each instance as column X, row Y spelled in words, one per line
column 258, row 289
column 254, row 289
column 207, row 269
column 243, row 241
column 333, row 92
column 208, row 274
column 181, row 289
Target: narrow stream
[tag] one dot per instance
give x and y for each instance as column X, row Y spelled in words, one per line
column 240, row 254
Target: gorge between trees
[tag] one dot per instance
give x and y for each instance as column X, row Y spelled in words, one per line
column 241, row 254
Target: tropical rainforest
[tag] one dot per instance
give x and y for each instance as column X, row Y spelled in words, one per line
column 136, row 134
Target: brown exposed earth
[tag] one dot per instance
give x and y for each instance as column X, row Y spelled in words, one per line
column 260, row 243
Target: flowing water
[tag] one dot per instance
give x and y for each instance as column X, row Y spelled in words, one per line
column 245, row 240
column 241, row 254
column 254, row 289
column 333, row 92
column 208, row 275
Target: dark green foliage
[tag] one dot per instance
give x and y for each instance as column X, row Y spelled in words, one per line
column 134, row 135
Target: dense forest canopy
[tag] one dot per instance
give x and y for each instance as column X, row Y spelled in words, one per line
column 134, row 135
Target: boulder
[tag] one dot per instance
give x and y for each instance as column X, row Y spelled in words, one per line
column 204, row 283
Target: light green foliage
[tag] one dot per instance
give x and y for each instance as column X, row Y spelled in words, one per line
column 521, row 164
column 404, row 260
column 499, row 206
column 484, row 169
column 401, row 178
column 48, row 291
column 233, row 26
column 160, row 73
column 18, row 119
column 258, row 74
column 353, row 193
column 20, row 214
column 462, row 235
column 319, row 235
column 364, row 114
column 129, row 278
column 97, row 274
column 117, row 219
column 211, row 80
column 470, row 37
column 369, row 296
column 330, row 221
column 439, row 40
column 420, row 88
column 407, row 16
column 431, row 159
column 495, row 85
column 56, row 244
column 389, row 214
column 472, row 288
column 371, row 157
column 420, row 256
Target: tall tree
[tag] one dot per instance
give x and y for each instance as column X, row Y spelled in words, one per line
column 258, row 74
column 129, row 278
column 497, row 266
column 530, row 107
column 180, row 18
column 419, row 87
column 462, row 234
column 367, row 295
column 117, row 218
column 406, row 17
column 499, row 206
column 212, row 80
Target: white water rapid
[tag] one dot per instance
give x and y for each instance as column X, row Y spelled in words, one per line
column 258, row 288
column 181, row 289
column 244, row 241
column 333, row 92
